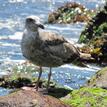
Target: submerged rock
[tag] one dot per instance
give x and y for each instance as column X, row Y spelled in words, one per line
column 70, row 12
column 27, row 98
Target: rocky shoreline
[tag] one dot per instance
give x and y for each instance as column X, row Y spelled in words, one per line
column 93, row 94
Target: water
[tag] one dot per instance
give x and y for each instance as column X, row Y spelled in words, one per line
column 12, row 18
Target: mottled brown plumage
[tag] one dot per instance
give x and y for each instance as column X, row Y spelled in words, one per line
column 46, row 49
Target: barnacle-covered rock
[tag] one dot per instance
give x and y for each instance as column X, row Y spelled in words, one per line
column 70, row 12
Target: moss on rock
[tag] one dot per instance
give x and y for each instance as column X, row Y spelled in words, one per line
column 88, row 97
column 94, row 94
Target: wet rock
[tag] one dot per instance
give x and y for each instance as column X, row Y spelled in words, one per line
column 24, row 75
column 99, row 79
column 96, row 26
column 28, row 98
column 70, row 12
column 95, row 36
column 17, row 81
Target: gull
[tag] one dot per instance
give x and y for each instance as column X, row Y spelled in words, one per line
column 46, row 49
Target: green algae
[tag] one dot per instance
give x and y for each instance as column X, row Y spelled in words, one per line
column 88, row 97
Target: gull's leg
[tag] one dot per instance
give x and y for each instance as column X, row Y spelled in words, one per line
column 49, row 77
column 40, row 73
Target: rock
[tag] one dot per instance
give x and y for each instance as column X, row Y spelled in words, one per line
column 16, row 81
column 70, row 12
column 95, row 36
column 86, row 57
column 99, row 79
column 28, row 98
column 96, row 26
column 93, row 94
column 87, row 97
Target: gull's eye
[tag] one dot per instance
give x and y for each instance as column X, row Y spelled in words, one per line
column 30, row 20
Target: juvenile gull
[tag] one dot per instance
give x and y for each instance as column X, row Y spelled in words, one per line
column 46, row 49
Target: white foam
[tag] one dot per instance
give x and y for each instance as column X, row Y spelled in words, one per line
column 4, row 73
column 15, row 1
column 68, row 87
column 9, row 24
column 90, row 68
column 9, row 44
column 16, row 36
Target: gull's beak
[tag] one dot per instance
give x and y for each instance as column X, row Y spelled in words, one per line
column 41, row 26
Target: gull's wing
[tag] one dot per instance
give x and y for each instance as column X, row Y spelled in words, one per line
column 57, row 46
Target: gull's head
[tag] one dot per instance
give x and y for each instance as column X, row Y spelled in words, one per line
column 33, row 23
